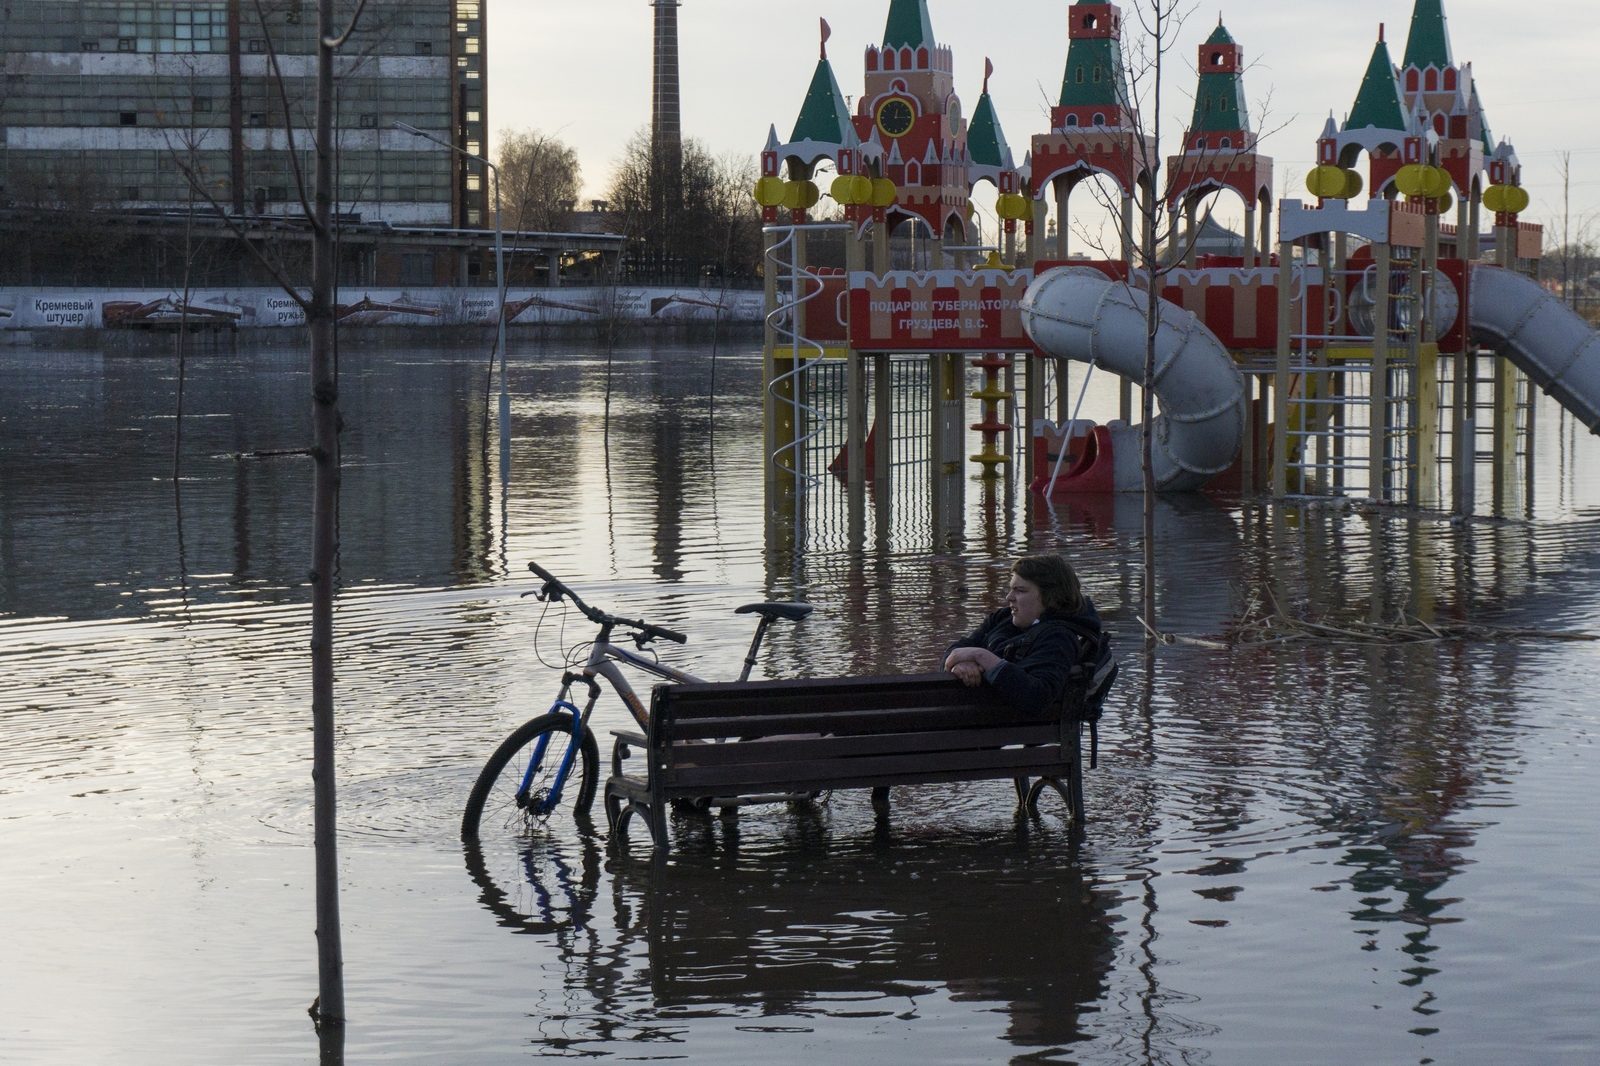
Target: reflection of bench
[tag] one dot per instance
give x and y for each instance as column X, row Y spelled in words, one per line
column 745, row 742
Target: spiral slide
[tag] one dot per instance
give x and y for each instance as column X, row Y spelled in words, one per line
column 1531, row 327
column 1078, row 313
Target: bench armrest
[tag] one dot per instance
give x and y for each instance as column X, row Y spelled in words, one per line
column 638, row 740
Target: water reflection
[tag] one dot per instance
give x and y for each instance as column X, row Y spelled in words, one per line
column 811, row 926
column 1283, row 838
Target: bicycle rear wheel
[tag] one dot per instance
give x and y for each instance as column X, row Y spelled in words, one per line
column 508, row 801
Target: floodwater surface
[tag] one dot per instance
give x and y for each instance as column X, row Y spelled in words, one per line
column 1335, row 853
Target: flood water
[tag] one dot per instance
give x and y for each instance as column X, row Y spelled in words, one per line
column 1326, row 854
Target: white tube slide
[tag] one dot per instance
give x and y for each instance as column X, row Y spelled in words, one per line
column 1531, row 327
column 1078, row 313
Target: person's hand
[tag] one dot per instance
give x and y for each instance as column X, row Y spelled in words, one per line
column 983, row 658
column 969, row 674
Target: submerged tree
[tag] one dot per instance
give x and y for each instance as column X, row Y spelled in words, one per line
column 540, row 178
column 699, row 220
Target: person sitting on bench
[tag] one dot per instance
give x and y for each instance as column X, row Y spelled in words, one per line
column 1027, row 649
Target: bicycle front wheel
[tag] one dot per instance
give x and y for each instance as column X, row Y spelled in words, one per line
column 517, row 788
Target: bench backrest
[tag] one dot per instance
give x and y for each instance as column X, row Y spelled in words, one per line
column 846, row 732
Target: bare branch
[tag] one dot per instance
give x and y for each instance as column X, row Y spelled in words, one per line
column 288, row 122
column 338, row 42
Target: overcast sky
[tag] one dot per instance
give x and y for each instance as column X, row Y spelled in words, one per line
column 581, row 69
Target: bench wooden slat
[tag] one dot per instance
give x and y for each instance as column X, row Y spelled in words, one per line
column 855, row 722
column 743, row 698
column 772, row 749
column 831, row 782
column 767, row 774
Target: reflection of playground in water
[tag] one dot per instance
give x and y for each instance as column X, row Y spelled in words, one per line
column 806, row 926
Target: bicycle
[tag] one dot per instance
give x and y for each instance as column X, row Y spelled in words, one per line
column 513, row 802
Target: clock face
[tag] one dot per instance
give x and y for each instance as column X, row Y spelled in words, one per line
column 895, row 118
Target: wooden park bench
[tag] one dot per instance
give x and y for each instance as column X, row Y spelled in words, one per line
column 731, row 743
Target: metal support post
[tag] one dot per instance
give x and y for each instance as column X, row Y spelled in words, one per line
column 1378, row 415
column 1280, row 384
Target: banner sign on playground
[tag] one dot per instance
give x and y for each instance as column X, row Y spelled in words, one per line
column 938, row 311
column 229, row 309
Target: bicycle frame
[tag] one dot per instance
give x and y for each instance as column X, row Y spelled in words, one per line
column 603, row 659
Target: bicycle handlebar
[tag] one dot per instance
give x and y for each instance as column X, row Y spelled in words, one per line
column 554, row 587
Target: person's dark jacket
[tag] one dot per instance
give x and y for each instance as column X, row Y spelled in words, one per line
column 1035, row 662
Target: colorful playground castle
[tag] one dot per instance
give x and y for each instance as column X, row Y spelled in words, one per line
column 1384, row 342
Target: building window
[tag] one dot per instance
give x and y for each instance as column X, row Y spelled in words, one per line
column 474, row 116
column 472, row 75
column 202, row 103
column 369, row 122
column 1072, row 120
column 474, row 183
column 1227, row 142
column 474, row 148
column 1200, row 144
column 257, row 118
column 1097, row 73
column 277, row 193
column 466, row 11
column 258, row 46
column 1079, row 78
column 130, row 118
column 1099, row 119
column 472, row 46
column 424, row 48
column 474, row 218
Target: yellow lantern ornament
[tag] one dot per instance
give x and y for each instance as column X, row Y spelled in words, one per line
column 884, row 194
column 769, row 192
column 800, row 195
column 1505, row 199
column 1437, row 183
column 1327, row 182
column 1412, row 180
column 1352, row 185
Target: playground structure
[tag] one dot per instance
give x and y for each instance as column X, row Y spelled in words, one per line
column 1372, row 349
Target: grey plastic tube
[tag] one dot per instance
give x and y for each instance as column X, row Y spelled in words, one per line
column 1541, row 335
column 1078, row 313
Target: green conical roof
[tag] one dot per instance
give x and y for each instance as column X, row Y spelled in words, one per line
column 908, row 25
column 1219, row 102
column 1378, row 103
column 1094, row 74
column 986, row 141
column 1429, row 41
column 824, row 116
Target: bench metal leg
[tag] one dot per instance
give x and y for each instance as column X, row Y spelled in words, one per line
column 880, row 801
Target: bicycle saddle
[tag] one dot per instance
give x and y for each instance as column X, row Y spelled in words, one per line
column 793, row 612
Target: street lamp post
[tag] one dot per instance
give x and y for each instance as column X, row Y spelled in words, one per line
column 500, row 287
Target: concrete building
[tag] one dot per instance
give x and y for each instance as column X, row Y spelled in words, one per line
column 123, row 95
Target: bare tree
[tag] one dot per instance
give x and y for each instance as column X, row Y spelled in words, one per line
column 1146, row 59
column 540, row 178
column 315, row 195
column 707, row 221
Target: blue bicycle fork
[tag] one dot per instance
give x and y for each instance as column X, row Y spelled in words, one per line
column 537, row 761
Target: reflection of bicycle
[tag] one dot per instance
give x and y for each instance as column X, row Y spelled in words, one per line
column 524, row 780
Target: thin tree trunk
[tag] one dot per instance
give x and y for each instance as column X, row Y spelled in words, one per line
column 324, row 540
column 1147, row 394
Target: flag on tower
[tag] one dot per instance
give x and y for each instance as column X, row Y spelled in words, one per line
column 826, row 33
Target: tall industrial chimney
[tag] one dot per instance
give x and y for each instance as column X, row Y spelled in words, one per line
column 666, row 126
